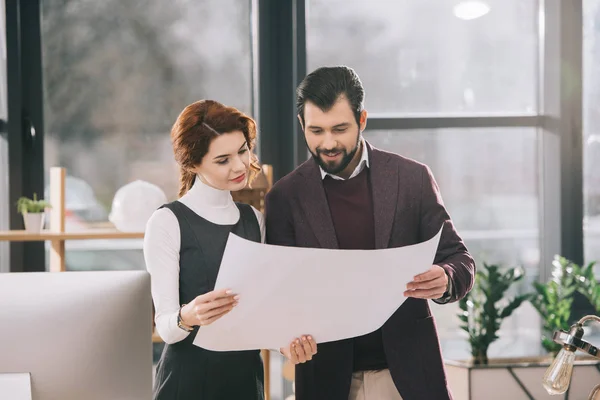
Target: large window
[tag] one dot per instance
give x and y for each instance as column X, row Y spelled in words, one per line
column 488, row 182
column 429, row 58
column 421, row 56
column 591, row 128
column 116, row 75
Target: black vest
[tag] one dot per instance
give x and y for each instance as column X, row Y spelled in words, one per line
column 186, row 371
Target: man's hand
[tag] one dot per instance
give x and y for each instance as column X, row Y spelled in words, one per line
column 300, row 350
column 431, row 284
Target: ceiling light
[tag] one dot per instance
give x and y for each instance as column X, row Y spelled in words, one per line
column 473, row 9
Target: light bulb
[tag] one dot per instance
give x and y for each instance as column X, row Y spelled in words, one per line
column 595, row 394
column 558, row 376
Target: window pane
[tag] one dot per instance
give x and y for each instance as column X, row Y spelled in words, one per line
column 487, row 178
column 117, row 74
column 4, row 206
column 418, row 56
column 591, row 128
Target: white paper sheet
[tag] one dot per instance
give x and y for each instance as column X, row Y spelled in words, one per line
column 15, row 386
column 286, row 292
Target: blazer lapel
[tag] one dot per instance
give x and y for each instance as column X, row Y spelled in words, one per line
column 384, row 184
column 316, row 209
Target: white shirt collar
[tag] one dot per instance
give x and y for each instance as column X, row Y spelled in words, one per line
column 364, row 162
column 214, row 205
column 203, row 195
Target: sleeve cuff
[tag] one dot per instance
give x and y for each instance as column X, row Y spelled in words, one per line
column 171, row 333
column 449, row 292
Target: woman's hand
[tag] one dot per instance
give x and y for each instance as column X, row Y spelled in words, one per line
column 300, row 350
column 209, row 307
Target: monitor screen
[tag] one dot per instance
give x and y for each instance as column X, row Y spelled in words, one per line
column 80, row 335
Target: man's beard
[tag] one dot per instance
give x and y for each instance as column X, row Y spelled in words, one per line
column 346, row 158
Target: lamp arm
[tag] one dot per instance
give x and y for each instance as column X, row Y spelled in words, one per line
column 588, row 318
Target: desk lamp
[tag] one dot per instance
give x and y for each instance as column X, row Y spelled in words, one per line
column 558, row 376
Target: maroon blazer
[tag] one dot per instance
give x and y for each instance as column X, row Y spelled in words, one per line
column 408, row 209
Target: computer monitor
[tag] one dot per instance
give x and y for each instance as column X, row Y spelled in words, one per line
column 81, row 335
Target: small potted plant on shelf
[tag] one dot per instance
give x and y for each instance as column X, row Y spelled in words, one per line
column 33, row 211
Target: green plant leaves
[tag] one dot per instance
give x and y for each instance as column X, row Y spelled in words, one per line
column 27, row 205
column 481, row 315
column 553, row 300
column 587, row 284
column 513, row 305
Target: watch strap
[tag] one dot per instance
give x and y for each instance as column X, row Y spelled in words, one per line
column 180, row 323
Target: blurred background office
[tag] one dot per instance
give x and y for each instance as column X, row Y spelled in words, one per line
column 499, row 97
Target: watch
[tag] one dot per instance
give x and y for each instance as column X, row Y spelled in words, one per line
column 180, row 323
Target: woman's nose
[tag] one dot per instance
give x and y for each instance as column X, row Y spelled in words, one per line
column 239, row 164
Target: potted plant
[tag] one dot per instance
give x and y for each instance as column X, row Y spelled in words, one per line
column 482, row 313
column 553, row 301
column 588, row 285
column 33, row 211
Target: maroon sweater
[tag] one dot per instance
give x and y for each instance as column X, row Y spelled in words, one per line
column 351, row 205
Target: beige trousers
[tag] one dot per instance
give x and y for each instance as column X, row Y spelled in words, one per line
column 373, row 385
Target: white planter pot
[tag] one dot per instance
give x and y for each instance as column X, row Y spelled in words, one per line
column 34, row 222
column 516, row 379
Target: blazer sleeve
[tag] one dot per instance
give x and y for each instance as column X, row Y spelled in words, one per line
column 452, row 255
column 280, row 229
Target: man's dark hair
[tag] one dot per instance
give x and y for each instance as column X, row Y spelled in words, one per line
column 324, row 86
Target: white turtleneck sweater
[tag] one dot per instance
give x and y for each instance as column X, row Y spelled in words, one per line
column 161, row 250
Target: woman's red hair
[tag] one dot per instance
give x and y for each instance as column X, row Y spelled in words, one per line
column 196, row 127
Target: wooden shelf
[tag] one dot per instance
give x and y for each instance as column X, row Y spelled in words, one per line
column 24, row 236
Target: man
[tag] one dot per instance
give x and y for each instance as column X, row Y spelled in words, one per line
column 350, row 195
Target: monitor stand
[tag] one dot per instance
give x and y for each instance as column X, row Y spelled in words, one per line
column 15, row 386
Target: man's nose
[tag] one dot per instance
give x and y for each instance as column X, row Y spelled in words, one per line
column 329, row 142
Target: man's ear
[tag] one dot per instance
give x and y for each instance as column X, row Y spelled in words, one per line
column 301, row 124
column 363, row 120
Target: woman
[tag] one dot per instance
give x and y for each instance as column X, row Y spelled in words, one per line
column 183, row 248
